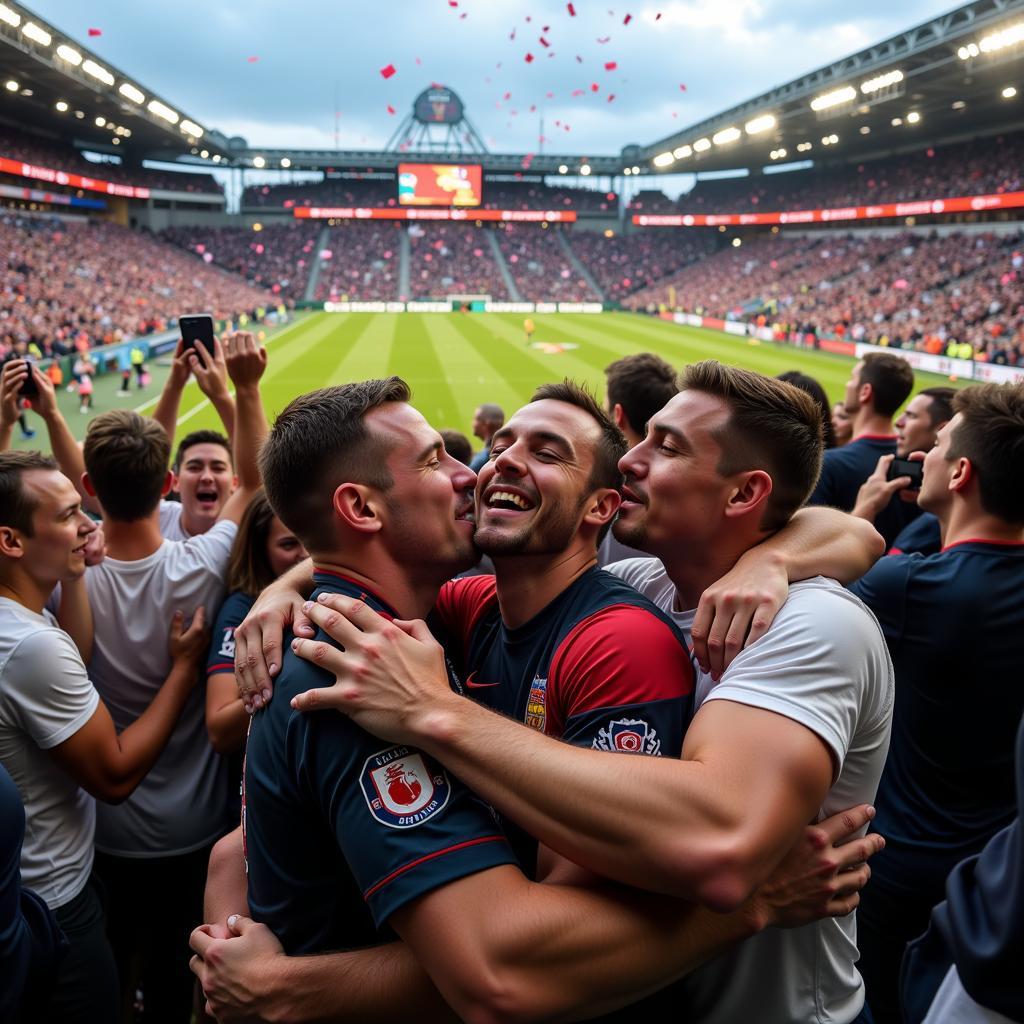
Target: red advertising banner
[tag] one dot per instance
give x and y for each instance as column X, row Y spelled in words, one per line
column 365, row 213
column 440, row 184
column 918, row 208
column 108, row 188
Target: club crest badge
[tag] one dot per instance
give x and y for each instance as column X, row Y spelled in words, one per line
column 403, row 788
column 537, row 704
column 628, row 736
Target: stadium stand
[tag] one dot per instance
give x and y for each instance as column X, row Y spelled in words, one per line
column 450, row 259
column 350, row 191
column 536, row 195
column 18, row 145
column 278, row 258
column 63, row 282
column 540, row 267
column 363, row 265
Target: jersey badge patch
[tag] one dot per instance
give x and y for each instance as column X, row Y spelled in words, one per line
column 227, row 644
column 403, row 788
column 537, row 704
column 629, row 736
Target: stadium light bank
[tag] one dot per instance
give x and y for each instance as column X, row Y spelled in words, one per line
column 1012, row 35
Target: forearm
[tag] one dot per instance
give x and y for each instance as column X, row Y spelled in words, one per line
column 227, row 726
column 226, row 885
column 823, row 542
column 250, row 433
column 225, row 406
column 6, row 435
column 69, row 457
column 75, row 616
column 166, row 411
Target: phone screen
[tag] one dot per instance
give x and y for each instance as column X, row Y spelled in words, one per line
column 29, row 387
column 197, row 327
column 907, row 467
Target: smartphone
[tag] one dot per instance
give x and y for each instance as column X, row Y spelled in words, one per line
column 197, row 327
column 29, row 387
column 907, row 467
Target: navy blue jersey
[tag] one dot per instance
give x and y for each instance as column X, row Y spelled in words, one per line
column 843, row 472
column 600, row 666
column 922, row 537
column 953, row 622
column 221, row 658
column 342, row 829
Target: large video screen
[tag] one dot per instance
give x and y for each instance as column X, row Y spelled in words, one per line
column 439, row 184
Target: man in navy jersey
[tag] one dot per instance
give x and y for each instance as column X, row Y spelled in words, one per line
column 953, row 622
column 878, row 386
column 916, row 429
column 548, row 647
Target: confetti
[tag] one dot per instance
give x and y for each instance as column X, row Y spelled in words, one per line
column 544, row 42
column 576, row 92
column 682, row 87
column 546, row 29
column 571, row 10
column 95, row 32
column 453, row 3
column 252, row 60
column 512, row 35
column 579, row 59
column 418, row 62
column 605, row 39
column 610, row 65
column 675, row 113
column 627, row 19
column 533, row 107
column 594, row 87
column 558, row 124
column 551, row 53
column 462, row 16
column 550, row 95
column 388, row 71
column 391, row 109
column 507, row 96
column 528, row 58
column 611, row 96
column 657, row 17
column 528, row 19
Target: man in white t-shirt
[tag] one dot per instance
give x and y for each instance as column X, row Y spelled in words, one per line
column 796, row 728
column 57, row 739
column 155, row 845
column 203, row 479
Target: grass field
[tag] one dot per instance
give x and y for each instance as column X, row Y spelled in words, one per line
column 454, row 362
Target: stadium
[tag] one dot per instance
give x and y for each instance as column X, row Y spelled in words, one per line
column 309, row 711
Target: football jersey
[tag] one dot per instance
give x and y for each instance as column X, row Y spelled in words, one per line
column 341, row 829
column 923, row 537
column 221, row 658
column 601, row 666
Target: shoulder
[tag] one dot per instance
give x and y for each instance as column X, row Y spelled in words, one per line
column 637, row 572
column 822, row 611
column 209, row 550
column 465, row 599
column 234, row 609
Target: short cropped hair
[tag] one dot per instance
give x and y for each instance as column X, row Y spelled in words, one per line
column 126, row 457
column 773, row 426
column 319, row 442
column 605, row 472
column 891, row 379
column 991, row 435
column 492, row 414
column 457, row 445
column 807, row 383
column 941, row 408
column 642, row 384
column 200, row 437
column 16, row 506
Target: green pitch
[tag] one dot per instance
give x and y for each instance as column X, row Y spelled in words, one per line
column 456, row 361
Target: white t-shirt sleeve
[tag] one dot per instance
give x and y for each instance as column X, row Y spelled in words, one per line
column 814, row 666
column 170, row 520
column 207, row 554
column 634, row 571
column 48, row 689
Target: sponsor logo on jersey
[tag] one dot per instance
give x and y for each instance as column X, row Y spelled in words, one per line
column 537, row 704
column 403, row 788
column 474, row 685
column 629, row 736
column 227, row 644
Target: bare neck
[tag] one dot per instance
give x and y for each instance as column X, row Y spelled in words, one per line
column 527, row 584
column 867, row 421
column 132, row 540
column 967, row 521
column 411, row 599
column 693, row 570
column 21, row 588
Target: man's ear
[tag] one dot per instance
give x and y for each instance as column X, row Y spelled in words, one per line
column 169, row 482
column 751, row 494
column 619, row 416
column 963, row 475
column 356, row 505
column 10, row 543
column 865, row 394
column 87, row 484
column 602, row 506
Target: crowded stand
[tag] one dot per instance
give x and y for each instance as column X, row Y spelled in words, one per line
column 452, row 259
column 627, row 263
column 904, row 290
column 330, row 191
column 538, row 195
column 278, row 258
column 540, row 267
column 980, row 167
column 66, row 282
column 33, row 149
column 361, row 263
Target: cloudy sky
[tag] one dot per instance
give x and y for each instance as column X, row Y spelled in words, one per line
column 198, row 55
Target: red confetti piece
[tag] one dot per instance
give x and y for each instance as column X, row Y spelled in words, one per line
column 606, row 39
column 546, row 28
column 436, row 85
column 627, row 19
column 579, row 59
column 611, row 96
column 657, row 17
column 418, row 62
column 544, row 42
column 95, row 31
column 391, row 109
column 387, row 71
column 558, row 124
column 675, row 113
column 528, row 18
column 528, row 58
column 571, row 10
column 610, row 65
column 550, row 95
column 551, row 53
column 453, row 3
column 682, row 86
column 533, row 107
column 594, row 87
column 576, row 92
column 507, row 96
column 512, row 35
column 462, row 16
column 567, row 128
column 252, row 60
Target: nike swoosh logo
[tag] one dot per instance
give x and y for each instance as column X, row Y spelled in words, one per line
column 477, row 686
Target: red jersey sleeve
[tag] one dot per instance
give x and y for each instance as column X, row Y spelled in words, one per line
column 621, row 680
column 461, row 603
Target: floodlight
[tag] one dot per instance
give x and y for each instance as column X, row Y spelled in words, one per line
column 682, row 152
column 90, row 67
column 562, row 169
column 36, row 34
column 61, row 106
column 12, row 18
column 162, row 110
column 69, row 53
column 834, row 98
column 258, row 161
column 628, row 171
column 584, row 169
column 285, row 162
column 11, row 85
column 664, row 159
column 1001, row 40
column 913, row 117
column 760, row 124
column 702, row 145
column 1009, row 92
column 130, row 92
column 726, row 135
column 101, row 122
column 191, row 128
column 882, row 81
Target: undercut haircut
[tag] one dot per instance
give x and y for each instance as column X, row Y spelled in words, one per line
column 200, row 437
column 773, row 426
column 320, row 442
column 941, row 408
column 891, row 379
column 17, row 506
column 991, row 435
column 642, row 384
column 612, row 445
column 126, row 457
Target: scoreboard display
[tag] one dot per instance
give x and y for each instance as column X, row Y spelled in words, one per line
column 440, row 184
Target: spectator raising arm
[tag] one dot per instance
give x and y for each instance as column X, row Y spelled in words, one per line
column 166, row 411
column 211, row 375
column 14, row 373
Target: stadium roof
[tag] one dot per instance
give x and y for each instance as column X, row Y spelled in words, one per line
column 937, row 82
column 64, row 89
